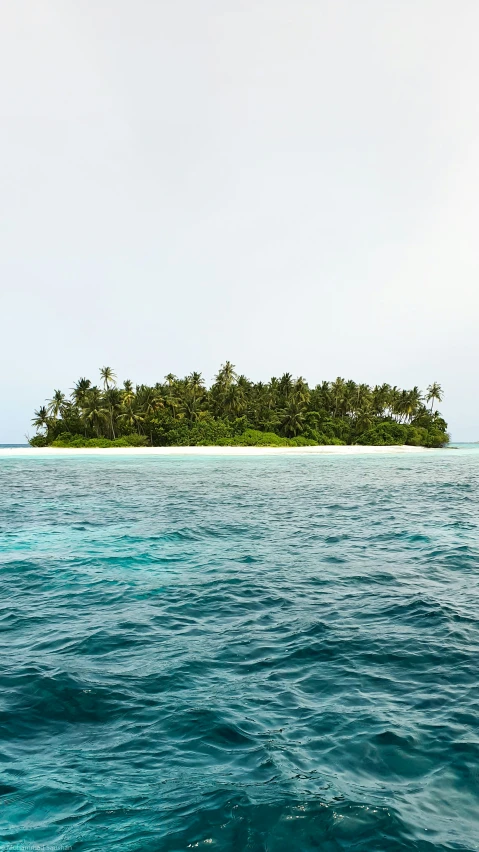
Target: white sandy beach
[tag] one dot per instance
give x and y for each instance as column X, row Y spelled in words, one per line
column 30, row 452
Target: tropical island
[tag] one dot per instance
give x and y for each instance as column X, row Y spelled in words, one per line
column 235, row 411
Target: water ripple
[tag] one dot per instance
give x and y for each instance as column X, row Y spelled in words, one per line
column 242, row 654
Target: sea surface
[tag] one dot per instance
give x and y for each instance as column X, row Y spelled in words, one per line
column 262, row 654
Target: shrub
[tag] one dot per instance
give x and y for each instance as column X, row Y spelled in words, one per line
column 436, row 438
column 417, row 436
column 132, row 440
column 255, row 438
column 315, row 436
column 38, row 441
column 168, row 432
column 384, row 434
column 79, row 442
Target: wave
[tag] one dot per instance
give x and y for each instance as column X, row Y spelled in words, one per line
column 238, row 658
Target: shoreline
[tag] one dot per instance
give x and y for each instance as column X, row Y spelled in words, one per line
column 323, row 449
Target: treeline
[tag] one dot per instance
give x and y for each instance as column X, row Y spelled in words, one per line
column 236, row 411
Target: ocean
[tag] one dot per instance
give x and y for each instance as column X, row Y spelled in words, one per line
column 262, row 654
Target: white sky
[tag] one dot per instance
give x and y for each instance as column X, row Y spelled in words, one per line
column 287, row 184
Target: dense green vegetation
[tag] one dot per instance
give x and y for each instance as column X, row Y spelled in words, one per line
column 236, row 411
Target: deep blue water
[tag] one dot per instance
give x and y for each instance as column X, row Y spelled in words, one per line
column 240, row 653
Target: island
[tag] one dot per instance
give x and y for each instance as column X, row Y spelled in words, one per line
column 236, row 412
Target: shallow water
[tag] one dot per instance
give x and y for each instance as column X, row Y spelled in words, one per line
column 240, row 653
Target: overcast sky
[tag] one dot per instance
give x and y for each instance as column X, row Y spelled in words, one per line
column 287, row 184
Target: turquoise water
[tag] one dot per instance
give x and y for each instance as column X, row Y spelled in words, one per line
column 274, row 653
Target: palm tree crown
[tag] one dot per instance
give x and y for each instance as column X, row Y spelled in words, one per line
column 108, row 377
column 56, row 404
column 434, row 393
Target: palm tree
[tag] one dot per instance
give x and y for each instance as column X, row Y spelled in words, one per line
column 408, row 403
column 274, row 385
column 234, row 401
column 94, row 411
column 434, row 392
column 40, row 419
column 412, row 402
column 285, row 386
column 301, row 391
column 363, row 395
column 293, row 419
column 245, row 385
column 192, row 397
column 380, row 399
column 128, row 393
column 337, row 390
column 171, row 392
column 395, row 401
column 148, row 402
column 56, row 404
column 132, row 416
column 364, row 417
column 80, row 390
column 196, row 381
column 226, row 375
column 351, row 397
column 108, row 377
column 112, row 398
column 191, row 407
column 321, row 398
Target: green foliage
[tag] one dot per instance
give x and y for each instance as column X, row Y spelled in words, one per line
column 436, row 438
column 417, row 436
column 66, row 440
column 256, row 438
column 318, row 437
column 237, row 412
column 209, row 431
column 385, row 434
column 38, row 441
column 400, row 434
